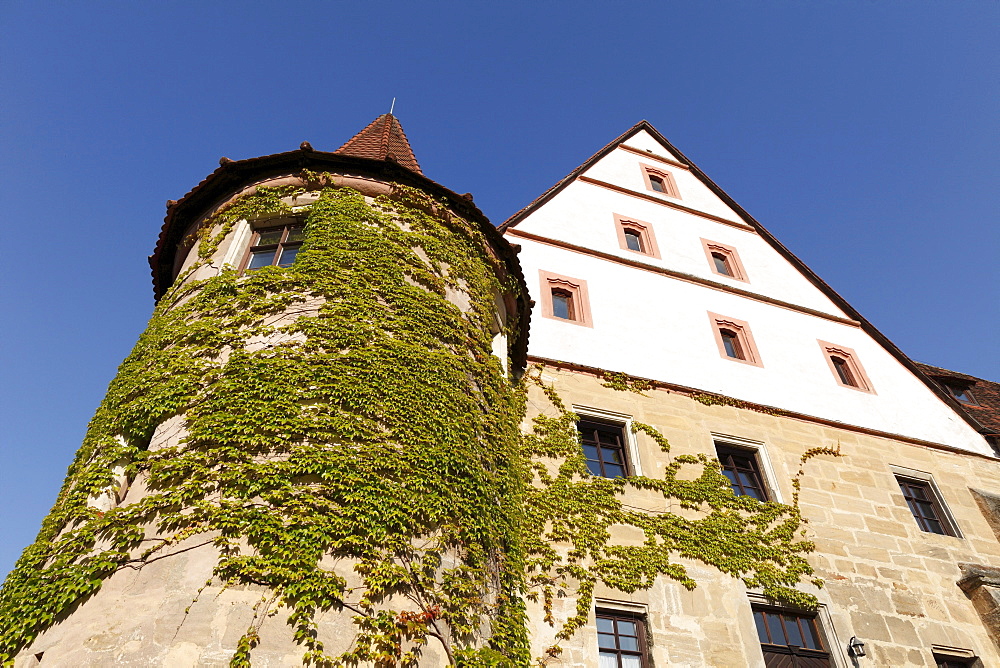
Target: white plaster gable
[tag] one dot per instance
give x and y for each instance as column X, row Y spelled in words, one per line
column 644, row 141
column 624, row 169
column 656, row 325
column 583, row 214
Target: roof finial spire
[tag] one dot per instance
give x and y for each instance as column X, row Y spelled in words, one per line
column 382, row 139
column 392, row 106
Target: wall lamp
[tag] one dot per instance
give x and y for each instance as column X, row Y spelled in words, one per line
column 855, row 647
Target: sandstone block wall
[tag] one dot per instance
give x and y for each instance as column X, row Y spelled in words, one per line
column 887, row 582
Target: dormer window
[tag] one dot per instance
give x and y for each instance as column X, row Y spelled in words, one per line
column 277, row 245
column 960, row 392
column 660, row 181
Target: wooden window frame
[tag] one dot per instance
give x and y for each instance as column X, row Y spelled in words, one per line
column 937, row 506
column 641, row 636
column 285, row 224
column 577, row 289
column 853, row 364
column 744, row 337
column 669, row 183
column 738, row 272
column 623, row 447
column 726, row 453
column 783, row 614
column 645, row 231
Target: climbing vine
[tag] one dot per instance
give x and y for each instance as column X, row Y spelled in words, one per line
column 760, row 542
column 375, row 431
column 349, row 443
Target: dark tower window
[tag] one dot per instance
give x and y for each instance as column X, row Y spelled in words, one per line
column 604, row 447
column 276, row 246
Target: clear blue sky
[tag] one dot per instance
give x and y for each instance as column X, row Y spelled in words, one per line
column 862, row 134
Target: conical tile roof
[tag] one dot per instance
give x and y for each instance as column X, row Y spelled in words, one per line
column 382, row 139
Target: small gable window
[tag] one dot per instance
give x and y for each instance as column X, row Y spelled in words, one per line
column 731, row 343
column 636, row 236
column 564, row 299
column 846, row 368
column 660, row 181
column 276, row 245
column 562, row 304
column 723, row 260
column 734, row 339
column 633, row 240
column 843, row 370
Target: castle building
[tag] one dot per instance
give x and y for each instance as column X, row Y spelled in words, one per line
column 336, row 443
column 641, row 266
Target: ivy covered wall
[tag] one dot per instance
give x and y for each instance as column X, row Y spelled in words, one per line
column 345, row 441
column 377, row 434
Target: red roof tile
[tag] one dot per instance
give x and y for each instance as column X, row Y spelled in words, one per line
column 985, row 393
column 383, row 139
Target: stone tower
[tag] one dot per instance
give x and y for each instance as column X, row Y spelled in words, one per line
column 310, row 453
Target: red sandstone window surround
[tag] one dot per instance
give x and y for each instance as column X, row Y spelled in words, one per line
column 723, row 260
column 660, row 181
column 734, row 340
column 846, row 367
column 564, row 298
column 636, row 236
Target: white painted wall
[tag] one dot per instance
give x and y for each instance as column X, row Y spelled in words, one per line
column 658, row 327
column 583, row 214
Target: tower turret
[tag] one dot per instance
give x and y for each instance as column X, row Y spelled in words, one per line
column 310, row 455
